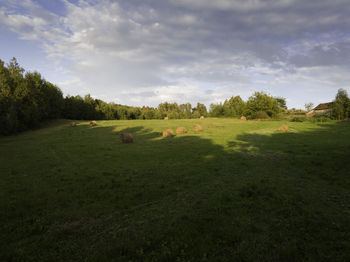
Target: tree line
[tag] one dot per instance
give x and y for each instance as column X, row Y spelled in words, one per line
column 259, row 105
column 26, row 99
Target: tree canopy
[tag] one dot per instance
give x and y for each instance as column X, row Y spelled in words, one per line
column 340, row 108
column 261, row 102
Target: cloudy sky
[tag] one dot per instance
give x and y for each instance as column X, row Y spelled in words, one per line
column 143, row 52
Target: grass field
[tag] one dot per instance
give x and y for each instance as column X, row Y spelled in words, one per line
column 237, row 191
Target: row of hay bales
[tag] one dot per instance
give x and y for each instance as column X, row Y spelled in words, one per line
column 93, row 123
column 127, row 138
column 74, row 124
column 180, row 130
column 167, row 118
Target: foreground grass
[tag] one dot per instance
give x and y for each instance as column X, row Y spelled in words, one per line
column 237, row 191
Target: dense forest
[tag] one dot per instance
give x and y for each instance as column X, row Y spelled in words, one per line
column 26, row 99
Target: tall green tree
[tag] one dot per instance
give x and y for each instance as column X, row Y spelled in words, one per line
column 185, row 110
column 260, row 103
column 26, row 100
column 199, row 110
column 234, row 106
column 309, row 106
column 217, row 110
column 340, row 108
column 281, row 101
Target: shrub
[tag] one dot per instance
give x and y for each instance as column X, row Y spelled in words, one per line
column 319, row 119
column 297, row 119
column 262, row 115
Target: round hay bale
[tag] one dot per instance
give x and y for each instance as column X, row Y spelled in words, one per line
column 166, row 118
column 197, row 128
column 73, row 124
column 126, row 138
column 243, row 118
column 202, row 117
column 93, row 123
column 283, row 128
column 310, row 113
column 168, row 132
column 181, row 130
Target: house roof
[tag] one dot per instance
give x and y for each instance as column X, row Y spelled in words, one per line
column 323, row 106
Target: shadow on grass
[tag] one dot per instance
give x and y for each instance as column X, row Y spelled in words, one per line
column 283, row 196
column 322, row 152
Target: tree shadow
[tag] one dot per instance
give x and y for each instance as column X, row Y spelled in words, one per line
column 321, row 152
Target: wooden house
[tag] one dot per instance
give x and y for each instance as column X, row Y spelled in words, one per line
column 321, row 109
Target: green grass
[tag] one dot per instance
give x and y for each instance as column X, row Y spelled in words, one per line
column 237, row 191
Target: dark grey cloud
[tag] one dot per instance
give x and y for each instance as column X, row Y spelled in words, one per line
column 264, row 29
column 336, row 54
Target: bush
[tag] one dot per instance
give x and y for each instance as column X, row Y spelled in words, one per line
column 298, row 119
column 319, row 119
column 262, row 115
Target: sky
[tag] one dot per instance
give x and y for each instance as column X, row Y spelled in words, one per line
column 144, row 52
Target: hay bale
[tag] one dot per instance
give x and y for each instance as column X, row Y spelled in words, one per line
column 166, row 118
column 202, row 117
column 126, row 138
column 310, row 113
column 283, row 128
column 93, row 123
column 197, row 128
column 243, row 118
column 73, row 124
column 168, row 132
column 181, row 130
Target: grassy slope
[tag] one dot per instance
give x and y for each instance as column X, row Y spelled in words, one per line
column 238, row 190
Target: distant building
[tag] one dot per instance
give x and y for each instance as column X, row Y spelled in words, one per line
column 321, row 109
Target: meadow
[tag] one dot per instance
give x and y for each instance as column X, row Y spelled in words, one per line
column 236, row 191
